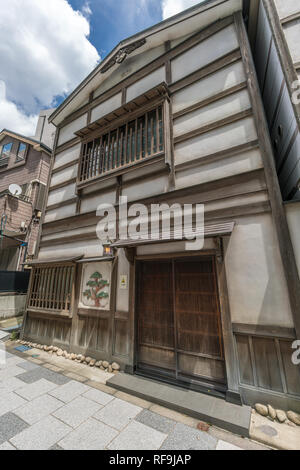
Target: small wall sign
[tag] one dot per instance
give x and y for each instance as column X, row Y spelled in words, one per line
column 123, row 281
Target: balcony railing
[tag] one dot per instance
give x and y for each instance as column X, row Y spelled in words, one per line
column 133, row 142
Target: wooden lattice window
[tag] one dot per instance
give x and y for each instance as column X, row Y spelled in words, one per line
column 51, row 288
column 126, row 145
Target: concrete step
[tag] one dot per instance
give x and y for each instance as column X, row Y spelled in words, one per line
column 215, row 411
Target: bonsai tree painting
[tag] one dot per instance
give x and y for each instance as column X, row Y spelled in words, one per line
column 96, row 292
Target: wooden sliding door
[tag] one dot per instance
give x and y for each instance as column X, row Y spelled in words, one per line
column 178, row 320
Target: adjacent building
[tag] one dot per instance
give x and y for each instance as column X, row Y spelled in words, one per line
column 24, row 172
column 173, row 115
column 275, row 29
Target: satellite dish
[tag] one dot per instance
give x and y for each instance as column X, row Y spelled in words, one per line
column 15, row 189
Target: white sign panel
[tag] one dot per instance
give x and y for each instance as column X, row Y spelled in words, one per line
column 95, row 286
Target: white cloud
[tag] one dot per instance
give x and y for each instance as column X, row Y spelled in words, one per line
column 13, row 118
column 172, row 7
column 44, row 53
column 86, row 9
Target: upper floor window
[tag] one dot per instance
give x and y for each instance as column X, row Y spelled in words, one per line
column 5, row 153
column 21, row 151
column 136, row 140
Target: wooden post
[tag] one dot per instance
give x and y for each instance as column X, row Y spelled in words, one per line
column 233, row 392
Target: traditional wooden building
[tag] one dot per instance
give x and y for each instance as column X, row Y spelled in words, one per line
column 172, row 115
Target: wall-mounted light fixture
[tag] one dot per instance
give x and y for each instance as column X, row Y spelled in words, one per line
column 107, row 248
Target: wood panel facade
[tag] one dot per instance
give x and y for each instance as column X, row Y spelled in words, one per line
column 214, row 153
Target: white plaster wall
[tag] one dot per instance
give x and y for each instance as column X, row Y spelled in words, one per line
column 146, row 188
column 62, row 194
column 208, row 87
column 64, row 175
column 92, row 203
column 88, row 248
column 66, row 133
column 292, row 34
column 237, row 201
column 146, row 83
column 204, row 53
column 106, row 107
column 132, row 64
column 231, row 166
column 287, row 7
column 141, row 172
column 215, row 141
column 70, row 233
column 67, row 156
column 218, row 110
column 61, row 213
column 293, row 217
column 256, row 283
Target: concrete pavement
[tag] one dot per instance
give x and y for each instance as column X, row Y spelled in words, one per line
column 45, row 406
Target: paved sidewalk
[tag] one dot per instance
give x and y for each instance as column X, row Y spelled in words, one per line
column 43, row 406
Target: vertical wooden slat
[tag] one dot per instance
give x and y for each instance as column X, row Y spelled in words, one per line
column 33, row 293
column 142, row 137
column 281, row 366
column 81, row 176
column 58, row 289
column 252, row 356
column 115, row 160
column 126, row 145
column 99, row 156
column 66, row 293
column 121, row 151
column 151, row 136
column 136, row 140
column 103, row 154
column 85, row 177
column 157, row 130
column 41, row 293
column 130, row 146
column 146, row 135
column 37, row 287
column 141, row 140
column 107, row 153
column 46, row 293
column 55, row 286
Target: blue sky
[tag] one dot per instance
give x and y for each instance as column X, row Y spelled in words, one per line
column 114, row 20
column 54, row 44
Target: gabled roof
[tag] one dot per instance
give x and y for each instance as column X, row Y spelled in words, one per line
column 196, row 18
column 39, row 146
